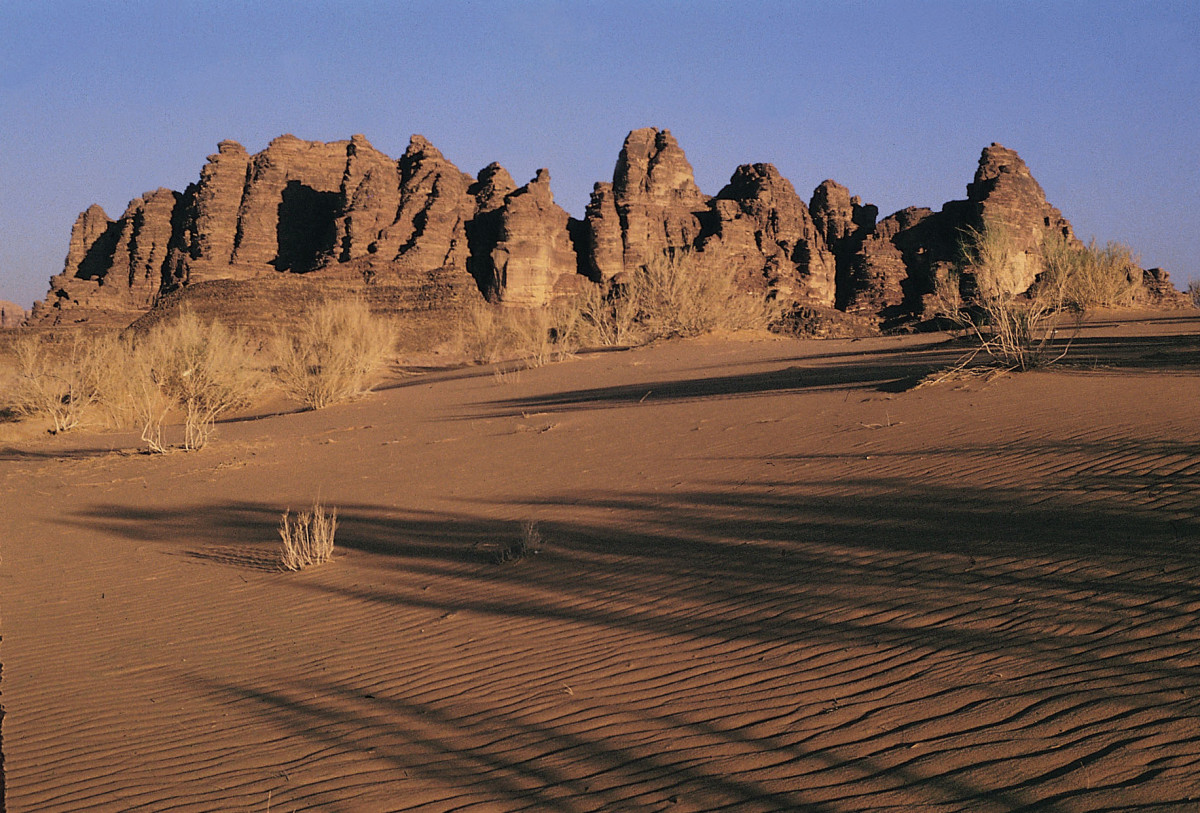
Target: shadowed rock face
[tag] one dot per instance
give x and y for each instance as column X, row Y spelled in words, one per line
column 424, row 226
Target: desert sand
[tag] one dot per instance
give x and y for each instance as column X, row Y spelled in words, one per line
column 774, row 576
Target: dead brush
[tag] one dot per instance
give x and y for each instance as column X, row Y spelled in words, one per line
column 527, row 544
column 334, row 355
column 307, row 539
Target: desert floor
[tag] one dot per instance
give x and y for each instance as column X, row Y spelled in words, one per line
column 774, row 576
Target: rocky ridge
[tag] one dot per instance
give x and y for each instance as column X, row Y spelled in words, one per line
column 440, row 237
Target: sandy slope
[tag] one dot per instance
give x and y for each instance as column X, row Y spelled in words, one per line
column 773, row 578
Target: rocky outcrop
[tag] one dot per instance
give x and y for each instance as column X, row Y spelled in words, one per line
column 889, row 269
column 369, row 199
column 118, row 264
column 1158, row 292
column 286, row 216
column 210, row 217
column 429, row 230
column 490, row 189
column 533, row 256
column 433, row 235
column 844, row 222
column 652, row 207
column 11, row 315
column 762, row 227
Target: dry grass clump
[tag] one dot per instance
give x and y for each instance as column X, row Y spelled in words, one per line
column 1081, row 277
column 528, row 543
column 58, row 381
column 491, row 332
column 335, row 354
column 672, row 295
column 980, row 295
column 307, row 539
column 675, row 295
column 202, row 370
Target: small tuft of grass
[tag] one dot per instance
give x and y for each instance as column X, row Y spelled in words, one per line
column 307, row 539
column 529, row 543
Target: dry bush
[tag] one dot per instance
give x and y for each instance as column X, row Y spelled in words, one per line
column 58, row 381
column 606, row 315
column 675, row 295
column 203, row 370
column 534, row 336
column 1194, row 292
column 481, row 333
column 1081, row 277
column 1016, row 331
column 335, row 354
column 307, row 539
column 527, row 544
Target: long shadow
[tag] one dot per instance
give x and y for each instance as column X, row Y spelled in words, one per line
column 1094, row 596
column 880, row 378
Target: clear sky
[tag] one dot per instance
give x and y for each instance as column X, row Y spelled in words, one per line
column 102, row 101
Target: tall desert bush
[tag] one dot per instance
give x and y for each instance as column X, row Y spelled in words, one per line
column 675, row 295
column 58, row 381
column 1194, row 292
column 203, row 370
column 1084, row 276
column 335, row 354
column 1016, row 331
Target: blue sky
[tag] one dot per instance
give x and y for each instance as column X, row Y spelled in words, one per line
column 104, row 101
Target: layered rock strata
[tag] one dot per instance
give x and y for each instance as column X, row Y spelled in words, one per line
column 434, row 234
column 534, row 255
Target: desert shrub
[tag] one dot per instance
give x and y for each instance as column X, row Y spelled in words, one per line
column 334, row 354
column 481, row 333
column 60, row 381
column 675, row 295
column 307, row 539
column 203, row 370
column 534, row 336
column 1194, row 292
column 606, row 315
column 1079, row 276
column 528, row 543
column 981, row 295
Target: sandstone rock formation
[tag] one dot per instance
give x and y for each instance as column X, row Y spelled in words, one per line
column 652, row 206
column 210, row 217
column 11, row 315
column 434, row 236
column 764, row 229
column 533, row 255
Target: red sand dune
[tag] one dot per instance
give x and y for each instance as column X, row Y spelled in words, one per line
column 774, row 577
